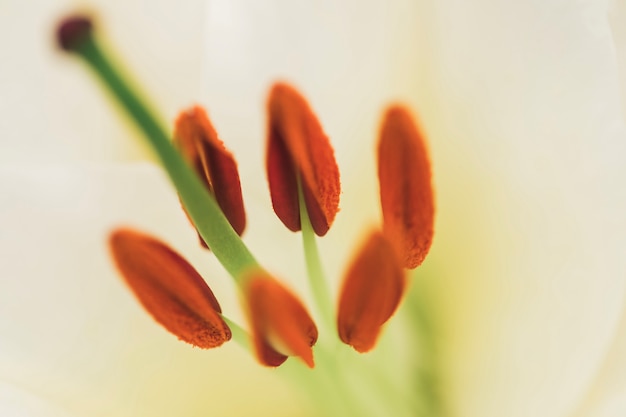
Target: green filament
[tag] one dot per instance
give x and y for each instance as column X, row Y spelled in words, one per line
column 315, row 272
column 239, row 334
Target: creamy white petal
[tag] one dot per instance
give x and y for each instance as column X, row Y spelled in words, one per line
column 18, row 403
column 71, row 330
column 521, row 103
column 607, row 397
column 54, row 103
column 617, row 20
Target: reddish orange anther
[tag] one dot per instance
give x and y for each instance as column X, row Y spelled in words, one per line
column 198, row 142
column 372, row 290
column 406, row 193
column 169, row 288
column 298, row 147
column 281, row 326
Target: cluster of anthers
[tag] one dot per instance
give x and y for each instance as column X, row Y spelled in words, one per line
column 304, row 186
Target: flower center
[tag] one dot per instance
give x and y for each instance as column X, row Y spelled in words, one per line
column 304, row 187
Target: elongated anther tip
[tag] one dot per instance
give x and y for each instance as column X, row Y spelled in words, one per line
column 169, row 288
column 297, row 147
column 200, row 146
column 406, row 190
column 281, row 326
column 371, row 293
column 73, row 31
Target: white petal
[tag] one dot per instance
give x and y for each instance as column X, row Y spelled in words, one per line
column 71, row 330
column 15, row 402
column 607, row 398
column 521, row 103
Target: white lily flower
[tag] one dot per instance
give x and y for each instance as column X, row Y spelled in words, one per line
column 525, row 282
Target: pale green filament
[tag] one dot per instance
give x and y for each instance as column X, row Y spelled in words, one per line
column 328, row 379
column 201, row 206
column 355, row 388
column 315, row 272
column 240, row 336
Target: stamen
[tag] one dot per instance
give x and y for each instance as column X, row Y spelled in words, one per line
column 197, row 140
column 169, row 289
column 298, row 147
column 372, row 290
column 280, row 324
column 406, row 193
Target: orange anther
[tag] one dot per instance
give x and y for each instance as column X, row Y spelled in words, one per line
column 169, row 289
column 406, row 193
column 372, row 290
column 198, row 142
column 281, row 326
column 298, row 147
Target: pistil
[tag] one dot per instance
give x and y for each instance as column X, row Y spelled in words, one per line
column 76, row 35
